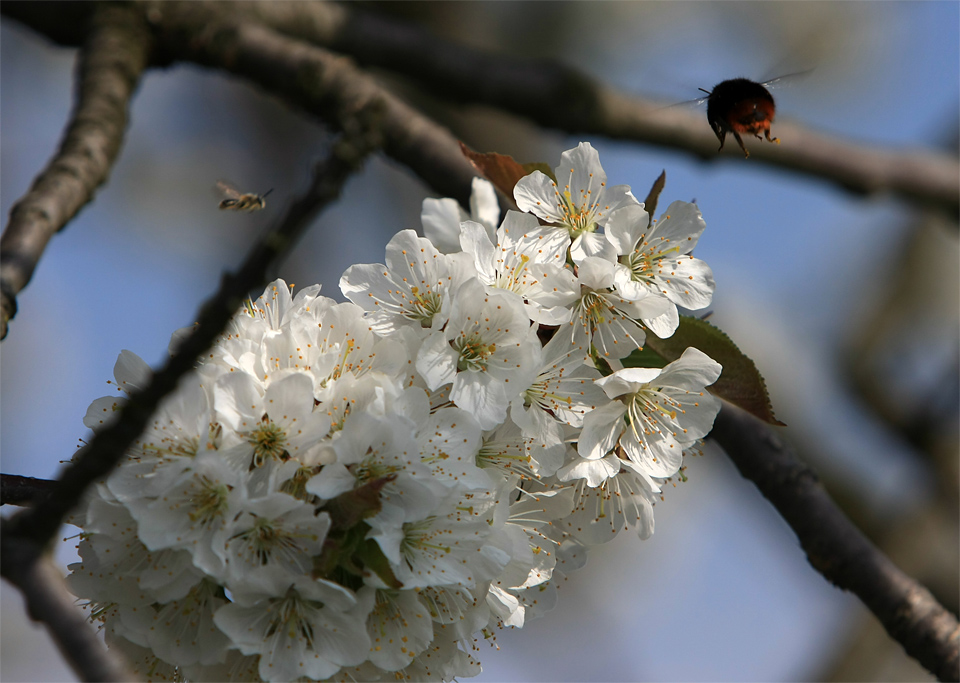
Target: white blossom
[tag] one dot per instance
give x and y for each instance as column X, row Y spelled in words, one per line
column 655, row 259
column 487, row 351
column 656, row 415
column 579, row 201
column 363, row 490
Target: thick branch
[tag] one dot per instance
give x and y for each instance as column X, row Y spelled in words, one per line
column 550, row 94
column 111, row 60
column 29, row 569
column 837, row 549
column 40, row 523
column 319, row 82
column 557, row 96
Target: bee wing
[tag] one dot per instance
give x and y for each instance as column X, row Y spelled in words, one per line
column 227, row 189
column 687, row 104
column 786, row 80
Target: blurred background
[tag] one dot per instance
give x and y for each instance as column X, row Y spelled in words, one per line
column 848, row 306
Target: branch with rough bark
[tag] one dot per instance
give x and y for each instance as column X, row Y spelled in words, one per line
column 17, row 490
column 837, row 548
column 320, row 83
column 110, row 63
column 558, row 96
column 27, row 535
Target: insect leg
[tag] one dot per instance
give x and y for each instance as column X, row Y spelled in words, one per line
column 746, row 154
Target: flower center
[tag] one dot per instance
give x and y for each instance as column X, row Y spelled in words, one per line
column 290, row 619
column 594, row 308
column 514, row 280
column 210, row 503
column 474, row 353
column 649, row 410
column 269, row 442
column 578, row 219
column 418, row 537
column 423, row 306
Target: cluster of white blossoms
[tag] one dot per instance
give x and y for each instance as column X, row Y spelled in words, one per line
column 363, row 490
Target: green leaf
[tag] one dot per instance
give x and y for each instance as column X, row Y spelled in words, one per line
column 740, row 382
column 644, row 358
column 374, row 560
column 337, row 555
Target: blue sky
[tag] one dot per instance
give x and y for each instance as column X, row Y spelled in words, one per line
column 721, row 592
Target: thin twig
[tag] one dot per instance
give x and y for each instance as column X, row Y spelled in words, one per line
column 26, row 535
column 316, row 80
column 32, row 571
column 23, row 491
column 837, row 548
column 558, row 96
column 110, row 63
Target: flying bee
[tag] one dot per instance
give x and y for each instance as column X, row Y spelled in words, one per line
column 741, row 106
column 238, row 201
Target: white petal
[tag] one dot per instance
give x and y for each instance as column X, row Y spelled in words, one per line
column 475, row 240
column 441, row 220
column 681, row 226
column 537, row 194
column 663, row 325
column 687, row 281
column 484, row 206
column 658, row 455
column 692, row 370
column 592, row 244
column 625, row 227
column 481, row 395
column 131, row 371
column 437, row 361
column 627, row 381
column 594, row 471
column 580, row 168
column 596, row 273
column 601, row 429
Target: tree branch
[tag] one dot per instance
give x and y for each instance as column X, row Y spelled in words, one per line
column 558, row 96
column 26, row 535
column 315, row 80
column 837, row 549
column 23, row 491
column 110, row 63
column 94, row 461
column 29, row 569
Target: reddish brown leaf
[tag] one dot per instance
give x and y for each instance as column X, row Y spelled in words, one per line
column 499, row 169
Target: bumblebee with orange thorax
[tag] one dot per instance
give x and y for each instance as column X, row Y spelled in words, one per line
column 740, row 106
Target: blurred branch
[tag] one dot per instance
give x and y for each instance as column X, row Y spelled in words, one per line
column 837, row 549
column 27, row 567
column 546, row 92
column 315, row 80
column 111, row 60
column 558, row 96
column 23, row 491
